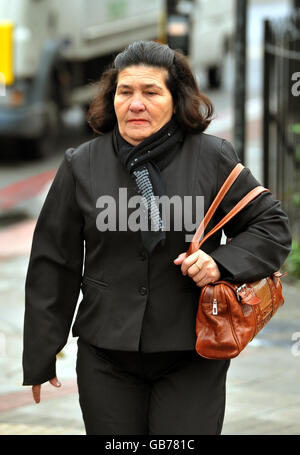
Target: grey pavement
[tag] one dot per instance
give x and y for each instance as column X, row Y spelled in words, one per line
column 263, row 389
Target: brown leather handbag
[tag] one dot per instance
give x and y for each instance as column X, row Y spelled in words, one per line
column 229, row 314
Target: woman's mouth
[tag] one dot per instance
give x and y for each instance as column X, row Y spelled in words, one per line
column 138, row 121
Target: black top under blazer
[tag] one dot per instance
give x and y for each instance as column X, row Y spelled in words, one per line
column 131, row 299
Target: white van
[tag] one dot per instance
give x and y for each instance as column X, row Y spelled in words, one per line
column 204, row 30
column 51, row 51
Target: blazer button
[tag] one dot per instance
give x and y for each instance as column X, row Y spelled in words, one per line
column 143, row 255
column 143, row 290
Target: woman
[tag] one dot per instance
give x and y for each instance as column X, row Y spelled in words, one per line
column 137, row 368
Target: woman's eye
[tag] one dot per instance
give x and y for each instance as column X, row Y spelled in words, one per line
column 151, row 93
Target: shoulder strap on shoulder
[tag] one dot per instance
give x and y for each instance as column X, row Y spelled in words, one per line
column 197, row 240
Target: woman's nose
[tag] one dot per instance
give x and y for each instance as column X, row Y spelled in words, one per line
column 137, row 105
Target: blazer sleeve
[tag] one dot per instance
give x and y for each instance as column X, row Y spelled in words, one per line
column 53, row 277
column 260, row 234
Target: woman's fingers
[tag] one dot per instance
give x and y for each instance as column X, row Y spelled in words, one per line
column 36, row 392
column 208, row 273
column 199, row 266
column 36, row 389
column 55, row 382
column 180, row 259
column 186, row 261
column 203, row 279
column 189, row 266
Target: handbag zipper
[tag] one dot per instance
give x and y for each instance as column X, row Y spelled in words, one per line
column 215, row 307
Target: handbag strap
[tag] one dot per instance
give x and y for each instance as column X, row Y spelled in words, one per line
column 194, row 246
column 216, row 202
column 196, row 243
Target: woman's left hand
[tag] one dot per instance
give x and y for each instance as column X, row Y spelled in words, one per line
column 199, row 266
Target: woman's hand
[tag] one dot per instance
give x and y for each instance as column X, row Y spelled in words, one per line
column 199, row 266
column 36, row 389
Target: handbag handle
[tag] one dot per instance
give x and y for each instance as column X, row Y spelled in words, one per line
column 196, row 243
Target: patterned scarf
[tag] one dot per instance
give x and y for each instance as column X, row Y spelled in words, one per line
column 144, row 163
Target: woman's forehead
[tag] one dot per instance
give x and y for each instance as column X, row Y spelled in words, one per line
column 142, row 75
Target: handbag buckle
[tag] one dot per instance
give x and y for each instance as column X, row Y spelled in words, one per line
column 239, row 289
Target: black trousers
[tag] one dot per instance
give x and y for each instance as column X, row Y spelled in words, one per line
column 166, row 393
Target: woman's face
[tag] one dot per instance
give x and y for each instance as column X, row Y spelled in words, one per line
column 143, row 103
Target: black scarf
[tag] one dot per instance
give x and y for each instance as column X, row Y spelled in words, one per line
column 144, row 163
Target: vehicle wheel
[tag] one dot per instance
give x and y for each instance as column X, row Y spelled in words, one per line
column 215, row 76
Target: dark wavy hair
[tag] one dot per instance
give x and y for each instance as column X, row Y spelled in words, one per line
column 193, row 110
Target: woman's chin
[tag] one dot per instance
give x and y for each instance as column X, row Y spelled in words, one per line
column 138, row 136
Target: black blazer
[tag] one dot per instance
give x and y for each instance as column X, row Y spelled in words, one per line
column 131, row 298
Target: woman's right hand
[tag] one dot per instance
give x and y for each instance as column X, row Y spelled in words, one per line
column 36, row 389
